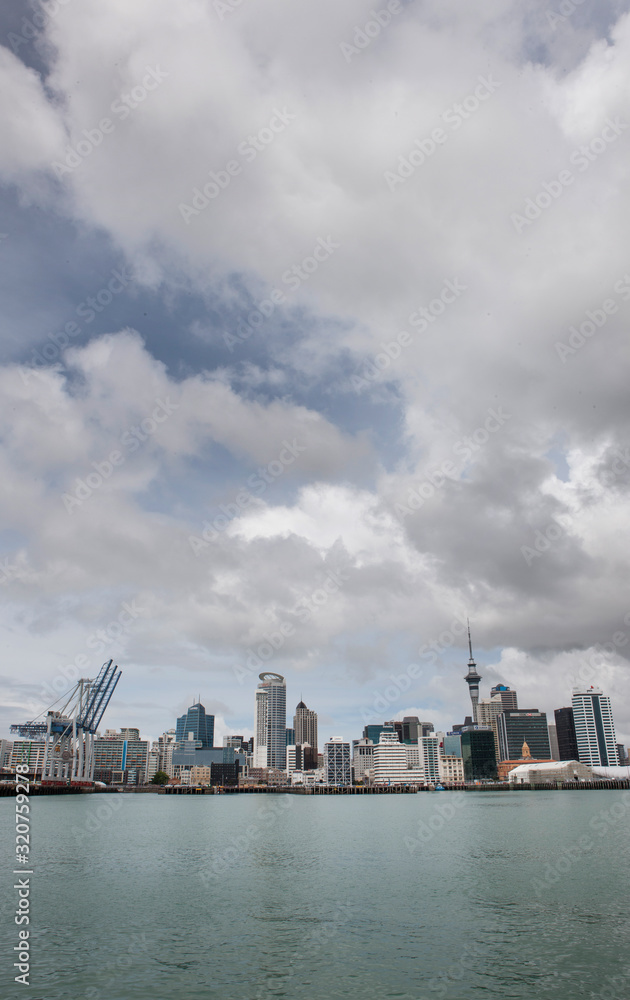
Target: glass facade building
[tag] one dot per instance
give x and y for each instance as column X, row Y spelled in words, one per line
column 523, row 725
column 565, row 733
column 478, row 754
column 195, row 722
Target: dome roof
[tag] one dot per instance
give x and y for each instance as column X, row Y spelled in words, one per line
column 300, row 705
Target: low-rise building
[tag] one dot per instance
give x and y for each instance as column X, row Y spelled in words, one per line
column 550, row 771
column 451, row 769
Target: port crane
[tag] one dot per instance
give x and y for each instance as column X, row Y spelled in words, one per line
column 69, row 732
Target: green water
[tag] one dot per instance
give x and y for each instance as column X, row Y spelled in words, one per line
column 412, row 896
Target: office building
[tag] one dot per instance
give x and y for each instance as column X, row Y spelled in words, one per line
column 5, row 752
column 307, row 756
column 488, row 712
column 522, row 725
column 270, row 722
column 594, row 727
column 195, row 726
column 478, row 754
column 289, row 735
column 451, row 769
column 553, row 743
column 337, row 762
column 305, row 725
column 121, row 758
column 31, row 752
column 452, row 745
column 622, row 754
column 390, row 759
column 565, row 732
column 429, row 748
column 508, row 697
column 372, row 733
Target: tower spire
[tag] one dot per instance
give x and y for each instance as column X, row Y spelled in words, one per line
column 472, row 678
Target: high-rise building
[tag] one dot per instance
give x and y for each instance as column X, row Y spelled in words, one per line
column 478, row 754
column 523, row 725
column 429, row 747
column 472, row 678
column 271, row 722
column 260, row 728
column 594, row 727
column 305, row 725
column 337, row 762
column 5, row 752
column 290, row 736
column 565, row 732
column 622, row 754
column 508, row 697
column 488, row 712
column 390, row 759
column 553, row 743
column 195, row 725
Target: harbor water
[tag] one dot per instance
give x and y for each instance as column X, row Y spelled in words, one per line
column 245, row 897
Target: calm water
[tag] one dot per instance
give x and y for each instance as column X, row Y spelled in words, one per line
column 509, row 895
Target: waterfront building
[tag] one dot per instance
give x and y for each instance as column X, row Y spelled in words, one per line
column 121, row 758
column 451, row 769
column 195, row 725
column 523, row 725
column 429, row 747
column 305, row 725
column 165, row 745
column 622, row 754
column 505, row 766
column 390, row 760
column 31, row 752
column 472, row 679
column 291, row 765
column 337, row 762
column 594, row 727
column 362, row 759
column 270, row 722
column 565, row 731
column 5, row 752
column 548, row 772
column 478, row 753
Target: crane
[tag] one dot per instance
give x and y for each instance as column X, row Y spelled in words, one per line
column 69, row 731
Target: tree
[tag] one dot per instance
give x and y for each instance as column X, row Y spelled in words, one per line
column 160, row 778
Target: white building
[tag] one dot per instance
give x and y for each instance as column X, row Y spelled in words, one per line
column 362, row 758
column 594, row 727
column 550, row 771
column 31, row 752
column 337, row 762
column 429, row 747
column 260, row 729
column 451, row 769
column 291, row 763
column 390, row 760
column 165, row 745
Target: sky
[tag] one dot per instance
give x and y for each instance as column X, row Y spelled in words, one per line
column 314, row 346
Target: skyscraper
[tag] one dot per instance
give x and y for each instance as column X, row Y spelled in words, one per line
column 523, row 725
column 472, row 678
column 594, row 727
column 195, row 725
column 508, row 697
column 270, row 722
column 478, row 754
column 305, row 725
column 390, row 760
column 260, row 728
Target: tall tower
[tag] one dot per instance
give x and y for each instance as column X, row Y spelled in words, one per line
column 305, row 725
column 594, row 727
column 260, row 728
column 196, row 725
column 271, row 720
column 472, row 678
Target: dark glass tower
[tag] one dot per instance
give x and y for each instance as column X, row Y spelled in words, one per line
column 565, row 731
column 472, row 678
column 195, row 721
